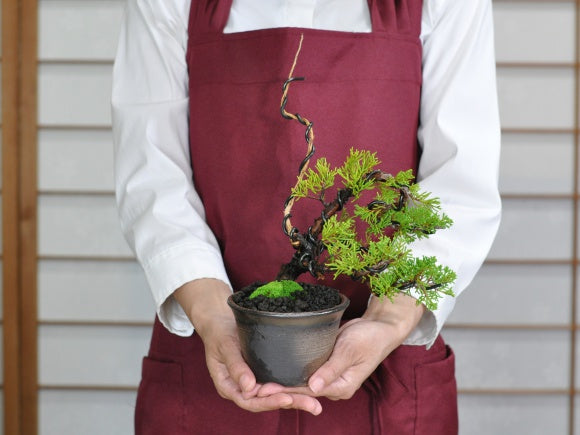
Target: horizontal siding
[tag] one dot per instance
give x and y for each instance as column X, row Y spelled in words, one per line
column 548, row 168
column 91, row 355
column 83, row 226
column 86, row 412
column 536, row 97
column 519, row 237
column 75, row 160
column 93, row 291
column 537, row 295
column 518, row 34
column 511, row 359
column 74, row 95
column 513, row 414
column 78, row 30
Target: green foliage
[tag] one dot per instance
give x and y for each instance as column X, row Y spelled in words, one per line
column 421, row 278
column 315, row 182
column 376, row 249
column 277, row 289
column 357, row 165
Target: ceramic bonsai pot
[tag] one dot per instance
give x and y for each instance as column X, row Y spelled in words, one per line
column 287, row 348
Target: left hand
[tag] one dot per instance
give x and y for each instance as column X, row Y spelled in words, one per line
column 362, row 344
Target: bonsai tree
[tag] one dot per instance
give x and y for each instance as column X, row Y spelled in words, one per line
column 365, row 222
column 367, row 241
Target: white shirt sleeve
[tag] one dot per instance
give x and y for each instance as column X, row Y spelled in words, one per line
column 460, row 138
column 161, row 214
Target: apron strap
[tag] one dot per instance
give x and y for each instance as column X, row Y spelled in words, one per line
column 208, row 16
column 396, row 16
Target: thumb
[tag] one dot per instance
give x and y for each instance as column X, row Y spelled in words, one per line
column 329, row 372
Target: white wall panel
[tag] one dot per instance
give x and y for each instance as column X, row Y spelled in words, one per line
column 536, row 98
column 516, row 295
column 94, row 291
column 537, row 164
column 72, row 29
column 86, row 413
column 513, row 415
column 518, row 38
column 81, row 226
column 504, row 359
column 534, row 229
column 91, row 355
column 75, row 160
column 74, row 94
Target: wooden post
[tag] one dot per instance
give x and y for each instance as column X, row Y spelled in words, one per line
column 10, row 216
column 19, row 196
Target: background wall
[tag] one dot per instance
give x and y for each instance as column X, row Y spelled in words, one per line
column 514, row 330
column 93, row 306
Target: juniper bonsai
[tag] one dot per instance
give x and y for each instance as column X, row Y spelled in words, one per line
column 367, row 241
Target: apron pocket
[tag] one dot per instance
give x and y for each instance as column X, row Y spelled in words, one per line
column 160, row 408
column 395, row 389
column 437, row 397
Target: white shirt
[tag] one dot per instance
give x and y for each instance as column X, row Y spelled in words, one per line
column 161, row 214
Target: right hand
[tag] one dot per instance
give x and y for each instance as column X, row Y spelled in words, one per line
column 204, row 301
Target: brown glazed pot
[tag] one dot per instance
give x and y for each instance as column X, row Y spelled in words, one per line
column 287, row 348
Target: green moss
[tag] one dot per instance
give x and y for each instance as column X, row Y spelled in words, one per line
column 277, row 289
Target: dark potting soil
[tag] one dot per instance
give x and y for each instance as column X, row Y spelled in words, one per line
column 312, row 298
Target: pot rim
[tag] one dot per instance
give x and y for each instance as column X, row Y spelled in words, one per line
column 340, row 307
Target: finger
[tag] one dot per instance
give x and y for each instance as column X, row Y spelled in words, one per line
column 274, row 402
column 279, row 401
column 330, row 372
column 251, row 393
column 342, row 388
column 273, row 388
column 306, row 403
column 229, row 389
column 237, row 368
column 302, row 396
column 260, row 404
column 225, row 385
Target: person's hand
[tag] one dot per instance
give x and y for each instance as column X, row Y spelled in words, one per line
column 205, row 302
column 362, row 344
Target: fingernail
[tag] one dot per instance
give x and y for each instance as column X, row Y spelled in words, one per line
column 316, row 385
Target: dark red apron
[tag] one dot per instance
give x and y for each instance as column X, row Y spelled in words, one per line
column 361, row 90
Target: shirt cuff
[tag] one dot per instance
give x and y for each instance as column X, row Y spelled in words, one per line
column 431, row 323
column 172, row 268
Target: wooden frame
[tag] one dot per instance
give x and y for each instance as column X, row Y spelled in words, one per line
column 19, row 139
column 10, row 158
